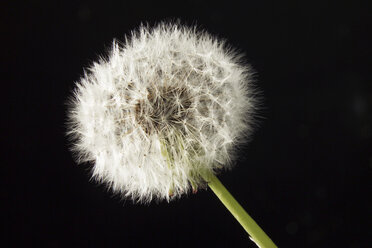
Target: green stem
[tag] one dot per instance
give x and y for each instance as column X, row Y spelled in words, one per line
column 256, row 233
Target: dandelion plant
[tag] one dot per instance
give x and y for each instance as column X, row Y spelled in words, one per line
column 162, row 114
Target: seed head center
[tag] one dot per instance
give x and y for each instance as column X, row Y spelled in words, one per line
column 164, row 108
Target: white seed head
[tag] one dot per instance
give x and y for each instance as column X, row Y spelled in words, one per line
column 166, row 106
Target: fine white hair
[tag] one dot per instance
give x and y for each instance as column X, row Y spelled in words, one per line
column 164, row 107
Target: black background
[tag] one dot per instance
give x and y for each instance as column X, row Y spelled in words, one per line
column 304, row 177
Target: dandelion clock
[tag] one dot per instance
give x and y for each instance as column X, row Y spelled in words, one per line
column 163, row 114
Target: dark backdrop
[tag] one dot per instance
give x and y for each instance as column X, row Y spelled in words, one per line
column 304, row 177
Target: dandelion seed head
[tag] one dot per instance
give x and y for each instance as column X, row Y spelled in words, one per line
column 165, row 106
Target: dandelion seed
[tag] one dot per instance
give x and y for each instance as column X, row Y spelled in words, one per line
column 166, row 106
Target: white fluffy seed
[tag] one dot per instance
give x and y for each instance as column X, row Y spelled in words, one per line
column 165, row 107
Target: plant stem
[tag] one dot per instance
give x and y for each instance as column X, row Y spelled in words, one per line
column 256, row 233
